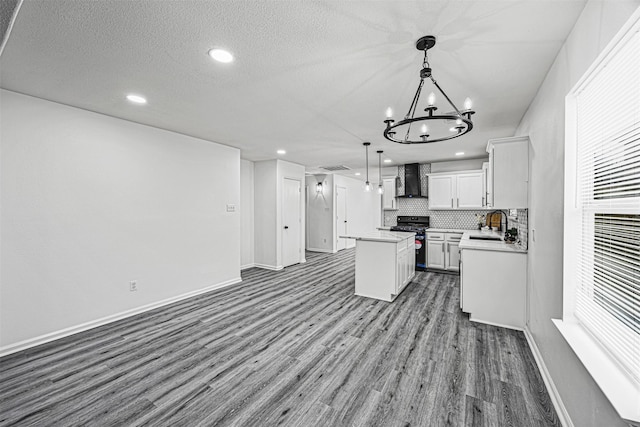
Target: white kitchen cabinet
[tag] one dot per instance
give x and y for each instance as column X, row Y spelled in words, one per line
column 443, row 251
column 435, row 254
column 389, row 201
column 469, row 190
column 462, row 190
column 508, row 178
column 452, row 252
column 441, row 188
column 493, row 287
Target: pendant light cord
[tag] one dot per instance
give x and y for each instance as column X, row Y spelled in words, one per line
column 367, row 162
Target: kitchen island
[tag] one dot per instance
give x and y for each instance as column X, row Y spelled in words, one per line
column 385, row 263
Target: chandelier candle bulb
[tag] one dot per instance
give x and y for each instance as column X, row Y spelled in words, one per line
column 424, row 134
column 467, row 104
column 431, row 100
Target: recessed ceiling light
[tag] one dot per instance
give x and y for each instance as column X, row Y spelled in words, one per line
column 137, row 99
column 281, row 152
column 460, row 153
column 387, row 160
column 221, row 55
column 357, row 174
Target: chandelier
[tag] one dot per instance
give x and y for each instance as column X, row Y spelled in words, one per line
column 444, row 126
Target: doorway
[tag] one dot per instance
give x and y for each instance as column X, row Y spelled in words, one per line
column 291, row 222
column 341, row 217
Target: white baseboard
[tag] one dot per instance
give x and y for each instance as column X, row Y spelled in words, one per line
column 515, row 328
column 325, row 251
column 244, row 267
column 42, row 339
column 269, row 267
column 561, row 410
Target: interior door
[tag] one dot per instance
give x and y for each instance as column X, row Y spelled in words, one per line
column 341, row 217
column 291, row 222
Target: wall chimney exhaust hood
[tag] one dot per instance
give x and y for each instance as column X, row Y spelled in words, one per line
column 411, row 181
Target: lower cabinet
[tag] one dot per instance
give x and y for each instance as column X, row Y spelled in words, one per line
column 492, row 287
column 443, row 252
column 406, row 267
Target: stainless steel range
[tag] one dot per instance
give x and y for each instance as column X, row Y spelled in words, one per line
column 418, row 225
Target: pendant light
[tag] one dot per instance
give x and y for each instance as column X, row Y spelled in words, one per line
column 380, row 186
column 367, row 184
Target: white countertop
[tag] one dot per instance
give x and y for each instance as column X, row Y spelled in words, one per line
column 381, row 236
column 488, row 245
column 446, row 230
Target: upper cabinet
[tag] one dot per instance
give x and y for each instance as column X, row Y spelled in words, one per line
column 389, row 201
column 508, row 173
column 460, row 190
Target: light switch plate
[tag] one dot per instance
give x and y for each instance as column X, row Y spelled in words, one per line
column 231, row 208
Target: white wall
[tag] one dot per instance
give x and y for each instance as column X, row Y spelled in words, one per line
column 363, row 208
column 544, row 123
column 320, row 219
column 363, row 211
column 268, row 184
column 246, row 214
column 265, row 213
column 90, row 202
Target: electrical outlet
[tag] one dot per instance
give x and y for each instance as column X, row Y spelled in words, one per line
column 133, row 285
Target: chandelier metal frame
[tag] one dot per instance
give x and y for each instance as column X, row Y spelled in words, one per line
column 461, row 118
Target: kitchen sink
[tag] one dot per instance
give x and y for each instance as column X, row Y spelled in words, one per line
column 485, row 238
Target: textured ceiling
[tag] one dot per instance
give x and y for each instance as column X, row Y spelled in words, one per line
column 313, row 78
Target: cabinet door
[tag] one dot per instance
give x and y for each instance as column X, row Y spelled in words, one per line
column 469, row 191
column 452, row 256
column 510, row 169
column 435, row 254
column 411, row 259
column 441, row 190
column 389, row 195
column 401, row 268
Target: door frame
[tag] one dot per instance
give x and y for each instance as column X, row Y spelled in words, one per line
column 346, row 215
column 282, row 213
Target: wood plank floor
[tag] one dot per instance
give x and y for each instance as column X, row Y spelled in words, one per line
column 292, row 348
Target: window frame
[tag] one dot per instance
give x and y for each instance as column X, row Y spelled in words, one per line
column 622, row 390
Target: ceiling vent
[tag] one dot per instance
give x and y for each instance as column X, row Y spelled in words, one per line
column 335, row 168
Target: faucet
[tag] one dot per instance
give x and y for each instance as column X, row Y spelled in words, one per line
column 506, row 219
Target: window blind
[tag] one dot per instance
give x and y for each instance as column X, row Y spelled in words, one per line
column 607, row 299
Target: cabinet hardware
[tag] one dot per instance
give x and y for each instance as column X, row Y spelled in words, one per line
column 452, row 202
column 286, row 227
column 458, row 202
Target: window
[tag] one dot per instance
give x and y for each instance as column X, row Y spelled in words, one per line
column 601, row 317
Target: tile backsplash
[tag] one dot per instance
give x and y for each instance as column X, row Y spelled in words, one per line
column 463, row 220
